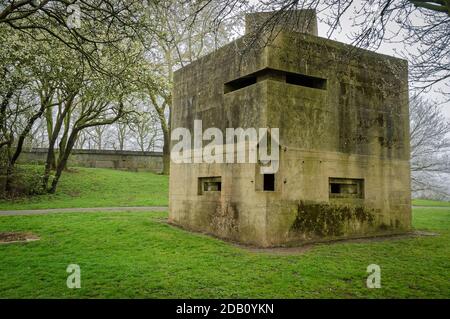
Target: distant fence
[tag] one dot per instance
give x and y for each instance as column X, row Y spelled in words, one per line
column 124, row 160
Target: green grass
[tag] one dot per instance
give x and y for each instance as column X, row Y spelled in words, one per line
column 96, row 187
column 138, row 255
column 430, row 203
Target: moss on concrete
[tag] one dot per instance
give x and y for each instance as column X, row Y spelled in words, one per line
column 324, row 219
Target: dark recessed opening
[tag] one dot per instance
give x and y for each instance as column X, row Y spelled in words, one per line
column 305, row 80
column 269, row 182
column 209, row 184
column 276, row 75
column 335, row 188
column 239, row 83
column 212, row 186
column 346, row 187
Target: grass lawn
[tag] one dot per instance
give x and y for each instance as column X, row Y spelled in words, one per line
column 430, row 203
column 96, row 187
column 138, row 255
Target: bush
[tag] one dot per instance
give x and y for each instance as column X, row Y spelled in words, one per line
column 25, row 181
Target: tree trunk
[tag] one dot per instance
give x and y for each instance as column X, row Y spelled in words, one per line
column 166, row 153
column 50, row 153
column 50, row 163
column 3, row 107
column 9, row 175
column 63, row 142
column 9, row 168
column 13, row 159
column 64, row 155
column 165, row 127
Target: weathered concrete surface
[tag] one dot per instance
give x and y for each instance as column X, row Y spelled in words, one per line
column 125, row 160
column 342, row 114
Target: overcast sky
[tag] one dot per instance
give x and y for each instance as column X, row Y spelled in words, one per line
column 342, row 35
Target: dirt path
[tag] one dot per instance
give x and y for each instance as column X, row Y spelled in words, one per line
column 110, row 209
column 84, row 210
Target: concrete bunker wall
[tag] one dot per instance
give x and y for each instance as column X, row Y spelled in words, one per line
column 340, row 117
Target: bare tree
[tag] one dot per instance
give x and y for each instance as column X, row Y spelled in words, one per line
column 422, row 26
column 145, row 128
column 186, row 31
column 97, row 134
column 20, row 117
column 82, row 140
column 430, row 146
column 92, row 113
column 121, row 132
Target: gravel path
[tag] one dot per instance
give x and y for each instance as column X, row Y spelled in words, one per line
column 109, row 209
column 84, row 210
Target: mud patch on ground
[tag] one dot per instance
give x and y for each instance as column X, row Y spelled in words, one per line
column 413, row 234
column 298, row 250
column 17, row 237
column 301, row 248
column 74, row 193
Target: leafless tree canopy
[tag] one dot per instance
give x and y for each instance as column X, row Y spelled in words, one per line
column 430, row 147
column 422, row 27
column 107, row 82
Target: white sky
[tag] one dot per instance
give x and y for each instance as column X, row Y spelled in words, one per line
column 386, row 48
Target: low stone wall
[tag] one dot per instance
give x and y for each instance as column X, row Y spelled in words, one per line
column 125, row 160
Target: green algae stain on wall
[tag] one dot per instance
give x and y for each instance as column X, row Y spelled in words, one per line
column 324, row 219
